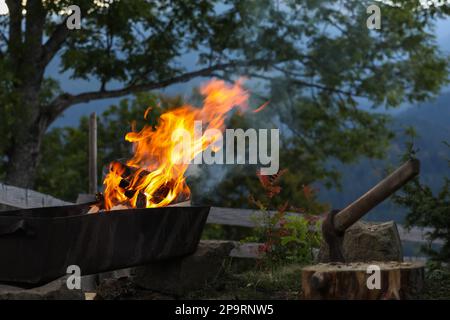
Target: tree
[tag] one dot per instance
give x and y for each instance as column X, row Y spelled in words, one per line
column 429, row 209
column 313, row 139
column 323, row 48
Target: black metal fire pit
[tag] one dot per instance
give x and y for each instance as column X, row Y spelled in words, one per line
column 37, row 245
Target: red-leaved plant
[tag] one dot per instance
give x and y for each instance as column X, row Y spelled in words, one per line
column 284, row 237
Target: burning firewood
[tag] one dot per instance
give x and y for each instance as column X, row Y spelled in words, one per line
column 128, row 173
column 162, row 192
column 125, row 184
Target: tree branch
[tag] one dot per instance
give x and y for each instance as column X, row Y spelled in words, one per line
column 34, row 29
column 54, row 43
column 15, row 26
column 313, row 85
column 65, row 100
column 57, row 38
column 4, row 37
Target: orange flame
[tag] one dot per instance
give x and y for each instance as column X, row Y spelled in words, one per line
column 158, row 176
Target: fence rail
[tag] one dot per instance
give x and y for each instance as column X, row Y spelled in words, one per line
column 247, row 218
column 14, row 197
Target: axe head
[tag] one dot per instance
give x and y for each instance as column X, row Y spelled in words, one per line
column 333, row 237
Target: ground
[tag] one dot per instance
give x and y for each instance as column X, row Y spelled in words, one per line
column 282, row 283
column 437, row 284
column 285, row 283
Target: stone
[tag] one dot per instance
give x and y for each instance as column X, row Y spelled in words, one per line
column 115, row 274
column 125, row 289
column 369, row 241
column 244, row 257
column 55, row 290
column 190, row 273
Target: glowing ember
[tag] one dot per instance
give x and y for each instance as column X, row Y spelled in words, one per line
column 157, row 175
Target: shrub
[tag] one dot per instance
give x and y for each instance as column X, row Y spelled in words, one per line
column 429, row 209
column 285, row 238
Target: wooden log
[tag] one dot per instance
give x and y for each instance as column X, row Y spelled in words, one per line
column 356, row 210
column 355, row 281
column 128, row 174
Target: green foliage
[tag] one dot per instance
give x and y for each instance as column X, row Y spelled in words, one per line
column 316, row 94
column 300, row 240
column 318, row 56
column 63, row 171
column 285, row 238
column 437, row 283
column 429, row 209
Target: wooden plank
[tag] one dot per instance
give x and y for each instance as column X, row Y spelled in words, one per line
column 93, row 153
column 247, row 217
column 239, row 217
column 11, row 196
column 232, row 217
column 14, row 197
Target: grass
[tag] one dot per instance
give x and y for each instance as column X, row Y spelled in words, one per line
column 437, row 284
column 284, row 283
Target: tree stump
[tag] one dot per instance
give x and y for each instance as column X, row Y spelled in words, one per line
column 357, row 280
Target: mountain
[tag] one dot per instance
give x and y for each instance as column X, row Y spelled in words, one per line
column 431, row 122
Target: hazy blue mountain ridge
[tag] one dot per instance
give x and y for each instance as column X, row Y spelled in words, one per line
column 431, row 121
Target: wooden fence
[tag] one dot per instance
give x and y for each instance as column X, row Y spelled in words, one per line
column 14, row 197
column 245, row 218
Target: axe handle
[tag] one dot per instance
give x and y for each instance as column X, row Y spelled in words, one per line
column 356, row 210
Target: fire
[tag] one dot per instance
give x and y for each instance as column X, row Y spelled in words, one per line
column 155, row 176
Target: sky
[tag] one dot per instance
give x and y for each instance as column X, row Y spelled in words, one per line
column 443, row 34
column 3, row 7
